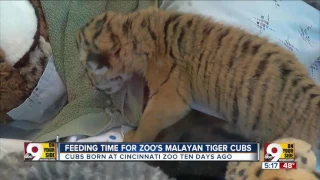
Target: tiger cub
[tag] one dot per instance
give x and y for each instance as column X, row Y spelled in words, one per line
column 186, row 59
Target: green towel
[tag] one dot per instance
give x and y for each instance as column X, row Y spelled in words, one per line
column 85, row 114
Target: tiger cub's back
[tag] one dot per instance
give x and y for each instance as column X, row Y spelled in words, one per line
column 251, row 82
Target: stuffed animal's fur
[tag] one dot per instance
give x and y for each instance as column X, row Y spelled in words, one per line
column 305, row 158
column 20, row 69
column 16, row 84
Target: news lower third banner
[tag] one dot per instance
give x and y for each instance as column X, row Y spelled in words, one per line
column 142, row 151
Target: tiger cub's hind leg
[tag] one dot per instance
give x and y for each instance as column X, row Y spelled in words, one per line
column 164, row 109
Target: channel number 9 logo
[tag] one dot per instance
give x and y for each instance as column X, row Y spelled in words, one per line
column 35, row 150
column 273, row 152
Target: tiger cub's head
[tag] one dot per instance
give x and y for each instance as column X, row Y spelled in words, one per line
column 107, row 83
column 99, row 47
column 102, row 77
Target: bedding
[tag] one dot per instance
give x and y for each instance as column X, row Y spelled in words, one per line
column 86, row 113
column 195, row 127
column 12, row 167
column 185, row 132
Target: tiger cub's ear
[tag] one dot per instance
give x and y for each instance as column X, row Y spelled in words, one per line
column 97, row 63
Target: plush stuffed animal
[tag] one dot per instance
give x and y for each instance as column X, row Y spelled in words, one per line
column 23, row 54
column 305, row 158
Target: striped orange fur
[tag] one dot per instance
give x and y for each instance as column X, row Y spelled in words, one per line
column 187, row 58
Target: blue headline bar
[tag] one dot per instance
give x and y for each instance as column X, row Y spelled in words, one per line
column 159, row 147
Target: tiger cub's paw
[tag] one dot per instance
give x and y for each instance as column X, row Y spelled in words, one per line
column 128, row 137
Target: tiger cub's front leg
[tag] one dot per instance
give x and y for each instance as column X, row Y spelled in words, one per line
column 165, row 108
